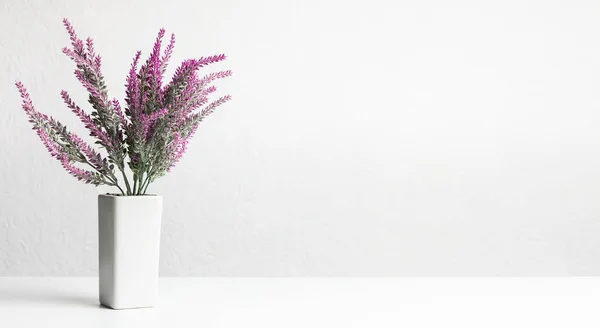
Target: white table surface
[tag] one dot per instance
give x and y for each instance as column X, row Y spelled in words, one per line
column 311, row 302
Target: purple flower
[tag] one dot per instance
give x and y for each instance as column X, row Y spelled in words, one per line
column 94, row 128
column 150, row 135
column 80, row 174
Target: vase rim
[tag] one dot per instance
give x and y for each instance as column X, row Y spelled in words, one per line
column 130, row 196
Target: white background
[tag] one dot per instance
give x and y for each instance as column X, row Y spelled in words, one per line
column 365, row 138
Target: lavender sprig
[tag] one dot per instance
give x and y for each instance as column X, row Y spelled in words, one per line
column 150, row 134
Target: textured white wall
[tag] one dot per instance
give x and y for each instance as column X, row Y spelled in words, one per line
column 373, row 138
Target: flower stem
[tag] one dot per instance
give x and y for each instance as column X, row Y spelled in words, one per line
column 112, row 179
column 122, row 192
column 135, row 180
column 147, row 184
column 141, row 190
column 126, row 181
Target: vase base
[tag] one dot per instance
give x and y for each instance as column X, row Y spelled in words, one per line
column 124, row 307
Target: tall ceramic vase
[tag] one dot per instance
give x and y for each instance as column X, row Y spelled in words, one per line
column 129, row 243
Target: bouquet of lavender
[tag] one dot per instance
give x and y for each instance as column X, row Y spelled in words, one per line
column 153, row 131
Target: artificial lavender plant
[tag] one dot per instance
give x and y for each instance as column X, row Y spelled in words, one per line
column 150, row 135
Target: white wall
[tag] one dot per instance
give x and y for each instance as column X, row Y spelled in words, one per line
column 380, row 138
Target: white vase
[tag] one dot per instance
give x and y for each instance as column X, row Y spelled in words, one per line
column 129, row 247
